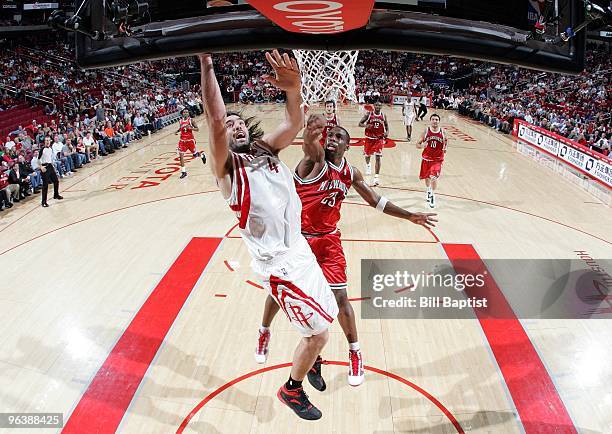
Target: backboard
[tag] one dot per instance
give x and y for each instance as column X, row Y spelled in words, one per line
column 497, row 31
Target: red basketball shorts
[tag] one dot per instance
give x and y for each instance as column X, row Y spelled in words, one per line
column 186, row 146
column 430, row 169
column 330, row 256
column 373, row 146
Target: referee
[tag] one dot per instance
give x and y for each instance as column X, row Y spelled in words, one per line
column 422, row 107
column 48, row 173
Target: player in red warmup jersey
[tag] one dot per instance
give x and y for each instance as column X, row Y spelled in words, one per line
column 323, row 178
column 376, row 131
column 433, row 156
column 187, row 141
column 331, row 118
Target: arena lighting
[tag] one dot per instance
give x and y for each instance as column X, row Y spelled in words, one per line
column 596, row 12
column 136, row 30
column 122, row 13
column 129, row 11
column 59, row 20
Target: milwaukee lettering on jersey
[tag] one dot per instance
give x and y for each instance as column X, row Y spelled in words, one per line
column 322, row 197
column 435, row 145
column 316, row 17
column 334, row 184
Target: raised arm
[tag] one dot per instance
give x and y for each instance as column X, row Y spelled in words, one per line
column 314, row 155
column 287, row 78
column 383, row 204
column 215, row 118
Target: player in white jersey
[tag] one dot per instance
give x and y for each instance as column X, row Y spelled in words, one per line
column 409, row 112
column 260, row 189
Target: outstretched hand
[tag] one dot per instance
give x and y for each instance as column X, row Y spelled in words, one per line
column 286, row 70
column 427, row 220
column 314, row 128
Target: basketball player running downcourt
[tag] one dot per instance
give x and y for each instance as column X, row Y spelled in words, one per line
column 409, row 114
column 187, row 141
column 323, row 178
column 376, row 131
column 433, row 156
column 259, row 188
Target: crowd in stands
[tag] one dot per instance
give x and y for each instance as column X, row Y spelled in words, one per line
column 92, row 114
column 96, row 113
column 577, row 107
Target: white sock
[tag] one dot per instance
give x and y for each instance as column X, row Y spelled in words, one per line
column 183, row 169
column 354, row 346
column 376, row 175
column 264, row 329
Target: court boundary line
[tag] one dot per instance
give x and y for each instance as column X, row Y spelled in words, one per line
column 503, row 207
column 142, row 301
column 115, row 160
column 110, row 163
column 538, row 402
column 527, row 422
column 102, row 214
column 143, row 382
column 391, row 188
column 451, row 418
column 430, row 230
column 101, row 409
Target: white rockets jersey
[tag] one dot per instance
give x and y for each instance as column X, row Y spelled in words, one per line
column 268, row 208
column 409, row 109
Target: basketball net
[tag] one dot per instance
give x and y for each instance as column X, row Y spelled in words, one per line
column 327, row 75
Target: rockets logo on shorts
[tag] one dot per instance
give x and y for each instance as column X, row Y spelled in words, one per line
column 297, row 315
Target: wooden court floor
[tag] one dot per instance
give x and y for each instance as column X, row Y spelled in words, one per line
column 130, row 306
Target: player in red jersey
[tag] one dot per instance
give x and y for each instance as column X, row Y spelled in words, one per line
column 376, row 131
column 187, row 141
column 323, row 178
column 331, row 118
column 433, row 157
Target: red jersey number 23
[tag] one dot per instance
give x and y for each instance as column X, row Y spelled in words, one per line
column 330, row 199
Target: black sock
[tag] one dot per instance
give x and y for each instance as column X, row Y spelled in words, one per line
column 292, row 384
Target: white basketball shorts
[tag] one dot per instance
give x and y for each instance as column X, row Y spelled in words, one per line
column 299, row 287
column 409, row 120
